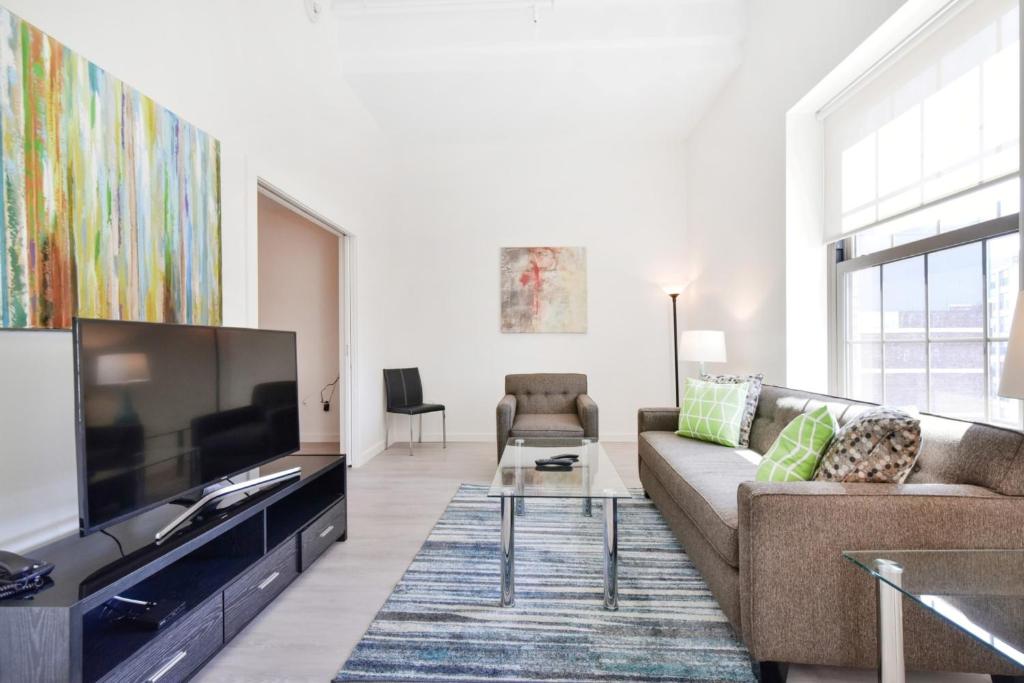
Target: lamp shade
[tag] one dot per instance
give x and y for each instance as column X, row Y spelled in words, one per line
column 673, row 290
column 1012, row 383
column 707, row 346
column 122, row 368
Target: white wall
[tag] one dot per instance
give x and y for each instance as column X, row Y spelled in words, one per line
column 258, row 76
column 736, row 166
column 298, row 279
column 459, row 203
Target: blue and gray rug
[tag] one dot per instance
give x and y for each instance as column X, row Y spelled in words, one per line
column 443, row 623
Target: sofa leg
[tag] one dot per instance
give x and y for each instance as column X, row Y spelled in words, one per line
column 770, row 672
column 647, row 495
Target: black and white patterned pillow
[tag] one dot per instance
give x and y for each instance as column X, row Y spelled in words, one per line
column 753, row 396
column 878, row 446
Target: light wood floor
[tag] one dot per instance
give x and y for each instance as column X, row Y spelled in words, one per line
column 307, row 633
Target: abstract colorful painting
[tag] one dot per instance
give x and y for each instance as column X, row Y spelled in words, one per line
column 543, row 289
column 111, row 203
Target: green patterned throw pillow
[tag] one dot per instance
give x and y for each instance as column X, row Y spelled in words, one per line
column 796, row 452
column 713, row 412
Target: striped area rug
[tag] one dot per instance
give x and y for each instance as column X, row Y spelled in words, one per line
column 442, row 622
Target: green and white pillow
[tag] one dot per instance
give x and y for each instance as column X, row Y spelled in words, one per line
column 713, row 412
column 798, row 449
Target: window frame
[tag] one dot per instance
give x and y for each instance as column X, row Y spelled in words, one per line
column 840, row 267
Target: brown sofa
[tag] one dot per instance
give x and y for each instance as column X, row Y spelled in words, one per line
column 771, row 552
column 546, row 405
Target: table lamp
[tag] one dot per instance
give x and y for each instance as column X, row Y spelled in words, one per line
column 1012, row 383
column 702, row 346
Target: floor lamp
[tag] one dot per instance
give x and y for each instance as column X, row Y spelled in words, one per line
column 674, row 291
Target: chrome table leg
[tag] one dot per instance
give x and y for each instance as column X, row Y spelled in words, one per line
column 891, row 667
column 444, row 430
column 587, row 507
column 611, row 553
column 508, row 560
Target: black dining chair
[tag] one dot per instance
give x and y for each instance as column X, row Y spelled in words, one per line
column 403, row 393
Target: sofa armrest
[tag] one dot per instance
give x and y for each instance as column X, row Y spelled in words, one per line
column 657, row 420
column 506, row 415
column 586, row 409
column 791, row 539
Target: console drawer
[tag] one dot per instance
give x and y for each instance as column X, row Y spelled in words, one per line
column 258, row 586
column 325, row 530
column 176, row 654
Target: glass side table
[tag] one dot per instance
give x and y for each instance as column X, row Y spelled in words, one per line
column 980, row 592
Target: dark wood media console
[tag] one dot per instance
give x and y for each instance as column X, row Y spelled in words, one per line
column 226, row 567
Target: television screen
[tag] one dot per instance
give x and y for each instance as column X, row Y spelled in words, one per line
column 164, row 410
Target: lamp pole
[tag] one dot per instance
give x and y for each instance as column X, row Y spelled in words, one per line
column 675, row 343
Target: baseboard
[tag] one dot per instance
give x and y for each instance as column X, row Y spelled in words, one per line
column 369, row 453
column 319, row 438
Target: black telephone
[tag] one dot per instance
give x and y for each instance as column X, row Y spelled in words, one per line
column 18, row 569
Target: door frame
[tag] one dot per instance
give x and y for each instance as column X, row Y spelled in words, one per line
column 346, row 296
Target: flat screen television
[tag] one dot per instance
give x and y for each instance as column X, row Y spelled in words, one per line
column 164, row 410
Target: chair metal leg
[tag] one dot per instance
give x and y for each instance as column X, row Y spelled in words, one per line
column 444, row 430
column 386, row 431
column 421, row 428
column 410, row 435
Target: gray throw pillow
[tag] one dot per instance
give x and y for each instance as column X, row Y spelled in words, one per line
column 753, row 396
column 878, row 446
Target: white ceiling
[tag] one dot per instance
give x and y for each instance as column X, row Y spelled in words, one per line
column 457, row 70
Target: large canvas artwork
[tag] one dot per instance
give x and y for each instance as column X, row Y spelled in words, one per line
column 543, row 289
column 111, row 203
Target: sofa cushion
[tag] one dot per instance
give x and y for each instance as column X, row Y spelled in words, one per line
column 753, row 395
column 702, row 479
column 795, row 454
column 952, row 451
column 879, row 446
column 547, row 424
column 713, row 412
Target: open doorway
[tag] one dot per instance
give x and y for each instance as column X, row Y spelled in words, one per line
column 301, row 288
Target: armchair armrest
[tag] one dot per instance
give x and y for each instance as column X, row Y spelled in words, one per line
column 657, row 420
column 586, row 409
column 791, row 538
column 506, row 415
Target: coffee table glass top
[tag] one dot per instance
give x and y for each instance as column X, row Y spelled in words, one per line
column 981, row 592
column 592, row 476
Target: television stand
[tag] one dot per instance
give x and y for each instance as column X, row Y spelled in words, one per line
column 225, row 567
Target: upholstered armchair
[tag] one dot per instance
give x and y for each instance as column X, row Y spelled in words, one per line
column 546, row 405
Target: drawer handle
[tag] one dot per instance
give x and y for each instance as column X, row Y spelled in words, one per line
column 163, row 670
column 269, row 580
column 327, row 531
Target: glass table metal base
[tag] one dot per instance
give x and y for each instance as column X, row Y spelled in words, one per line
column 979, row 592
column 508, row 551
column 592, row 476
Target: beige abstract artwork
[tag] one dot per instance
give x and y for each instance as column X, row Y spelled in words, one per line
column 544, row 289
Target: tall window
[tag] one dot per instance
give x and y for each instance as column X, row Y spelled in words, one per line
column 930, row 330
column 922, row 193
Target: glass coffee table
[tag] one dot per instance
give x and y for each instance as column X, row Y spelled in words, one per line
column 592, row 476
column 980, row 592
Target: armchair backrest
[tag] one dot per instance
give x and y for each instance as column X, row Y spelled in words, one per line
column 402, row 388
column 546, row 393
